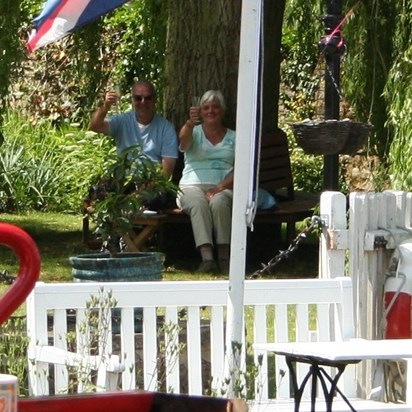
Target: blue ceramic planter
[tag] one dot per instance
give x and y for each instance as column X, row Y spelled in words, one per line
column 124, row 267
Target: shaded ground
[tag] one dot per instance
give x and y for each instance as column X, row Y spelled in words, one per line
column 302, row 264
column 263, row 245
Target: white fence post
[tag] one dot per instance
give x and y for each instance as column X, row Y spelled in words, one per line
column 333, row 240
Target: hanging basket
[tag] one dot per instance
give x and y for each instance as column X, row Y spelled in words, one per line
column 357, row 138
column 331, row 136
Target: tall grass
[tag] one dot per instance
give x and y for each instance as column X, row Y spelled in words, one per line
column 47, row 168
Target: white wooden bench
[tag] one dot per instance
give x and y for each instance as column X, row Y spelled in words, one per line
column 275, row 311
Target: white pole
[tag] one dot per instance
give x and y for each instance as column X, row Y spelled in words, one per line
column 247, row 98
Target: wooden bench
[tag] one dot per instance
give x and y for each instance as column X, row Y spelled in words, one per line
column 275, row 176
column 181, row 346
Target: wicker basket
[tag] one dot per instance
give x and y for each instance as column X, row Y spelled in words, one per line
column 358, row 137
column 331, row 136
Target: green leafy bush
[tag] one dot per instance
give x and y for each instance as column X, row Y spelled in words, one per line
column 47, row 168
column 307, row 171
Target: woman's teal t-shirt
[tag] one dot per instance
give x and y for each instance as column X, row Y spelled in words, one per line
column 206, row 163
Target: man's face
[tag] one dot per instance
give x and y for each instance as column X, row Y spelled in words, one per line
column 144, row 102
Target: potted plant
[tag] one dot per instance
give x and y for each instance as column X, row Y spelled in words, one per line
column 127, row 180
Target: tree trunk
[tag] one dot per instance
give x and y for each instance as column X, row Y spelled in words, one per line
column 202, row 53
column 273, row 20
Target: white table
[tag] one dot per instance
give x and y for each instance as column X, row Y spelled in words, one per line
column 336, row 354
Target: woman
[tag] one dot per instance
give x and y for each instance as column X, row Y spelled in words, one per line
column 207, row 180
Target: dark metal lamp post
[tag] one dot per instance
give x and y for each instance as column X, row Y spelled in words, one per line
column 332, row 45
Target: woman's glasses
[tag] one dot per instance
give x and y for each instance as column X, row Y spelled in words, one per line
column 140, row 98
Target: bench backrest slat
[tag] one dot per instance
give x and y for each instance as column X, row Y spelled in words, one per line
column 275, row 171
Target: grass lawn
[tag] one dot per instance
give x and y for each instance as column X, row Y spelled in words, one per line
column 58, row 236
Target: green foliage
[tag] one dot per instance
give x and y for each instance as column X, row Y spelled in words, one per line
column 377, row 81
column 399, row 93
column 10, row 48
column 140, row 42
column 13, row 349
column 300, row 58
column 377, row 35
column 44, row 168
column 57, row 236
column 307, row 171
column 301, row 74
column 130, row 178
column 86, row 68
column 63, row 80
column 370, row 34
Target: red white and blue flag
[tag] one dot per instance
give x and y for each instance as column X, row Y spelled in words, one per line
column 62, row 17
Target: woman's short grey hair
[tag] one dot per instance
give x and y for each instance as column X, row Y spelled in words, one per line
column 211, row 95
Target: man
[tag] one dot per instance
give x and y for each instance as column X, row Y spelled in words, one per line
column 143, row 126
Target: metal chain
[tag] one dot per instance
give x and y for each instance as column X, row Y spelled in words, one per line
column 316, row 221
column 335, row 83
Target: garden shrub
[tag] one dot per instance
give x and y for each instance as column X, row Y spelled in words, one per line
column 47, row 168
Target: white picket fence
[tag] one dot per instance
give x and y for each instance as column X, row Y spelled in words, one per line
column 302, row 310
column 358, row 239
column 356, row 242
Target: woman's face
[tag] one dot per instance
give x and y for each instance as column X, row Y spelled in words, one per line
column 211, row 111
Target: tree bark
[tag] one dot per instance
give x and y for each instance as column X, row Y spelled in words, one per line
column 273, row 21
column 202, row 53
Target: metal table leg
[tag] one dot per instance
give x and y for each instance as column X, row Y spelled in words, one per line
column 316, row 372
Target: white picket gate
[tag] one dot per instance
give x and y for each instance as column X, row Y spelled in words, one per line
column 358, row 239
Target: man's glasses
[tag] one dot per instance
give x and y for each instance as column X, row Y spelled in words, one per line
column 140, row 98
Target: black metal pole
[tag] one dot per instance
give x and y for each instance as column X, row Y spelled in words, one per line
column 332, row 47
